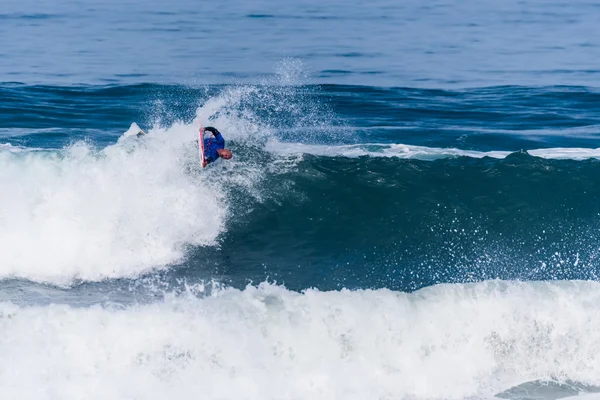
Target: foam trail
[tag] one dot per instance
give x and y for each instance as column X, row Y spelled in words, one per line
column 79, row 213
column 420, row 152
column 443, row 342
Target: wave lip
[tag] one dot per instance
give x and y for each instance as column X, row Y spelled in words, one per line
column 425, row 153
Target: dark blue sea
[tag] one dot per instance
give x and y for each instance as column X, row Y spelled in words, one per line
column 411, row 211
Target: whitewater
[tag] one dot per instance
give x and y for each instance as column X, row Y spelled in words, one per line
column 446, row 341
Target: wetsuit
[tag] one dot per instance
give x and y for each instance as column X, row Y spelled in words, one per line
column 212, row 144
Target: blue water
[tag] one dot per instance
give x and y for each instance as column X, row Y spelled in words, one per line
column 411, row 210
column 384, row 43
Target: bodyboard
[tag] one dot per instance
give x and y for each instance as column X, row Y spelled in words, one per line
column 201, row 145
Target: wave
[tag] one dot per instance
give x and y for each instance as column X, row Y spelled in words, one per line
column 91, row 214
column 397, row 150
column 421, row 152
column 88, row 214
column 446, row 341
column 118, row 207
column 8, row 147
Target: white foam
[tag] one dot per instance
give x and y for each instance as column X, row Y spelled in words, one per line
column 226, row 111
column 449, row 341
column 133, row 130
column 84, row 214
column 420, row 152
column 589, row 396
column 8, row 147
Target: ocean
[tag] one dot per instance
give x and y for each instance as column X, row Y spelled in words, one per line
column 411, row 210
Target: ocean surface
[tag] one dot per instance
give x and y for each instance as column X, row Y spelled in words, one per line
column 411, row 211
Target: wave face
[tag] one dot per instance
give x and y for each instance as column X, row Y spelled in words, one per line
column 334, row 186
column 362, row 242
